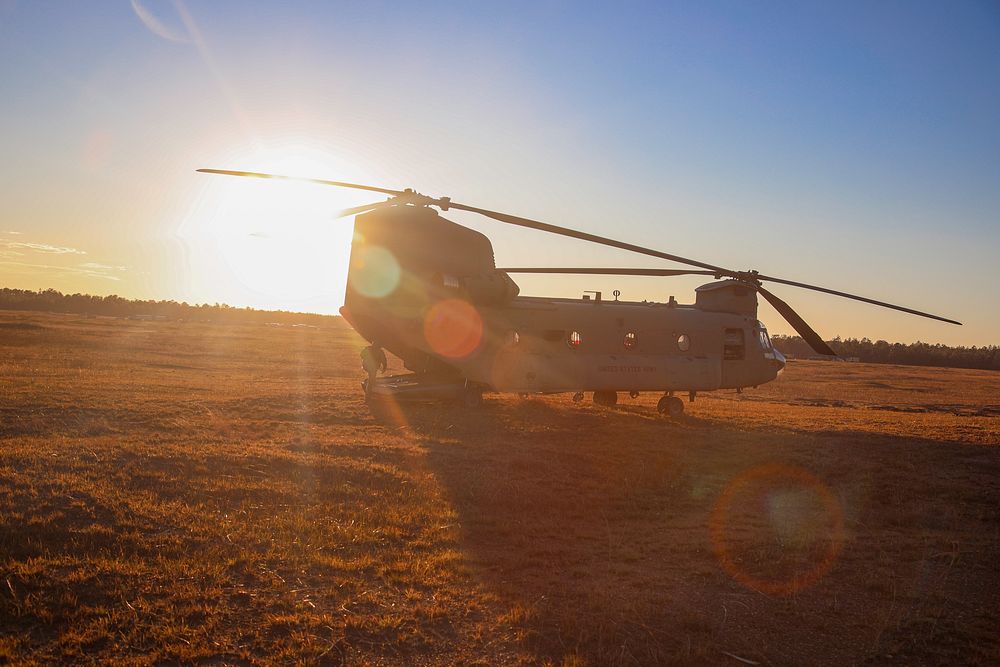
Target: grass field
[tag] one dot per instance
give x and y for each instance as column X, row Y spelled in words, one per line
column 196, row 493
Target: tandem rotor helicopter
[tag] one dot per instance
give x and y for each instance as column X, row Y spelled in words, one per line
column 428, row 290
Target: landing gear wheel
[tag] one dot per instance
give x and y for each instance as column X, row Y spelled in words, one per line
column 471, row 398
column 606, row 398
column 670, row 406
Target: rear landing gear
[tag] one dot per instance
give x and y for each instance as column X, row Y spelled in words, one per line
column 606, row 398
column 670, row 406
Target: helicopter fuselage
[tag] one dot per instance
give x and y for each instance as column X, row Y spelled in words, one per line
column 589, row 345
column 535, row 344
column 427, row 290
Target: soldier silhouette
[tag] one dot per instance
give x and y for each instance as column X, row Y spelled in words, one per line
column 373, row 362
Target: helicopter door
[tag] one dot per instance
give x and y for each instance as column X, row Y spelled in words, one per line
column 734, row 353
column 735, row 346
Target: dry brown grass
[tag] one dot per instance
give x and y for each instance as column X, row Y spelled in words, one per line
column 189, row 493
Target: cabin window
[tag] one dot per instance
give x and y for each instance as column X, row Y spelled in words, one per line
column 630, row 340
column 450, row 281
column 574, row 339
column 734, row 345
column 512, row 338
column 683, row 342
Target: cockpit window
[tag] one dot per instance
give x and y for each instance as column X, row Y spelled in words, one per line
column 765, row 340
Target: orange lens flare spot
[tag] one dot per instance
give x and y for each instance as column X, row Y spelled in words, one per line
column 375, row 273
column 777, row 529
column 453, row 328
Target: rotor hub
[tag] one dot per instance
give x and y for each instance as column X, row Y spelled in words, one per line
column 750, row 277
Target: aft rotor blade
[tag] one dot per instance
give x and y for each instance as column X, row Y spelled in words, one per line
column 339, row 184
column 799, row 324
column 611, row 272
column 858, row 298
column 584, row 236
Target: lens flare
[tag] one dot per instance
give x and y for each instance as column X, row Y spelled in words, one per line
column 453, row 328
column 375, row 272
column 388, row 410
column 777, row 529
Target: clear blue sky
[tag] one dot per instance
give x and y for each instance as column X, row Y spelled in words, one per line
column 854, row 145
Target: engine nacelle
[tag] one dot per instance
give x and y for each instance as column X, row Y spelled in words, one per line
column 727, row 296
column 489, row 289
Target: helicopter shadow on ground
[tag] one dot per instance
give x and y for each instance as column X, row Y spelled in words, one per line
column 447, row 420
column 592, row 526
column 547, row 491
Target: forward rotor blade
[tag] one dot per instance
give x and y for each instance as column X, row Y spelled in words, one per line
column 799, row 324
column 339, row 184
column 857, row 298
column 584, row 236
column 411, row 198
column 612, row 272
column 502, row 217
column 364, row 208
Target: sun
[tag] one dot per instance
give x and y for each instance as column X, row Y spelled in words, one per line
column 271, row 244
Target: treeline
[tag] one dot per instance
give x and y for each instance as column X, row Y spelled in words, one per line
column 51, row 300
column 864, row 349
column 883, row 352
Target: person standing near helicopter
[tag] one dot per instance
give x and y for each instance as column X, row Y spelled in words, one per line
column 373, row 362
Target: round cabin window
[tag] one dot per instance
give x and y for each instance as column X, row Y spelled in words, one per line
column 683, row 343
column 630, row 340
column 574, row 339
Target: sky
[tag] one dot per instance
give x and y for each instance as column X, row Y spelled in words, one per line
column 853, row 145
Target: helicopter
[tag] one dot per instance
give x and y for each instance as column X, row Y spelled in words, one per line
column 428, row 290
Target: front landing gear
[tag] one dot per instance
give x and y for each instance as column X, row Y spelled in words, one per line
column 670, row 406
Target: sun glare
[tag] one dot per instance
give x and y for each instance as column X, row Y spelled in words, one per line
column 271, row 244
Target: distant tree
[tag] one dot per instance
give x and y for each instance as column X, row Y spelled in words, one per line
column 51, row 300
column 883, row 352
